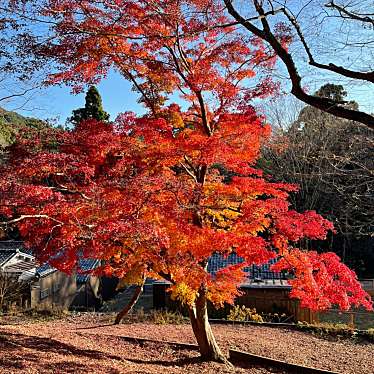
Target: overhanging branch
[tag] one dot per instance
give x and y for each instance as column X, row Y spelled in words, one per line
column 322, row 103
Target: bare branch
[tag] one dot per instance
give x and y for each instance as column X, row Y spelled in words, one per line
column 366, row 76
column 350, row 15
column 322, row 103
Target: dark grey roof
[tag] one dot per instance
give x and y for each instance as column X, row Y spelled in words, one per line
column 11, row 245
column 254, row 272
column 44, row 270
column 9, row 248
column 84, row 266
column 258, row 276
column 5, row 255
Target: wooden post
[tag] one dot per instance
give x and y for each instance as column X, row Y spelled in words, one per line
column 352, row 320
column 316, row 317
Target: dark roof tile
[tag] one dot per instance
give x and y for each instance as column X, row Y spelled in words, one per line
column 5, row 255
column 257, row 272
column 84, row 266
column 44, row 270
column 11, row 245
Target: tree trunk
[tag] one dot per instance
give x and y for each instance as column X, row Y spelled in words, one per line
column 135, row 297
column 208, row 346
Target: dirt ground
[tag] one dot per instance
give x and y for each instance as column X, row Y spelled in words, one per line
column 89, row 344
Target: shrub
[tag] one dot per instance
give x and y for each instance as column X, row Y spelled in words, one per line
column 163, row 317
column 330, row 329
column 160, row 317
column 242, row 313
column 277, row 317
column 46, row 312
column 369, row 334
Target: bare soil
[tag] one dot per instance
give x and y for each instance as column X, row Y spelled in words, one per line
column 89, row 344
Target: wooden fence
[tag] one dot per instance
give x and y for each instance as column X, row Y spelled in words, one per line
column 357, row 319
column 265, row 300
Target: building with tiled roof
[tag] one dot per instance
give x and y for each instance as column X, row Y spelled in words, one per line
column 264, row 289
column 44, row 270
column 46, row 285
column 257, row 275
column 12, row 252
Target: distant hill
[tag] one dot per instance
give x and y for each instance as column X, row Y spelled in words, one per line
column 12, row 122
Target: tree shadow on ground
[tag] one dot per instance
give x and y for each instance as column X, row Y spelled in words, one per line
column 13, row 341
column 180, row 362
column 13, row 357
column 272, row 369
column 94, row 327
column 74, row 367
column 17, row 360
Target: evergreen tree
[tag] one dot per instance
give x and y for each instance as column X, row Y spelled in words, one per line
column 335, row 92
column 93, row 108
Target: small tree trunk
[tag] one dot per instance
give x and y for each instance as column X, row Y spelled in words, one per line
column 135, row 297
column 208, row 346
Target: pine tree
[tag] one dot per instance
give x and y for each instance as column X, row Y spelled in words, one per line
column 93, row 108
column 333, row 92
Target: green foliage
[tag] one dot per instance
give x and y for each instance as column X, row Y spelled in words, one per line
column 11, row 123
column 165, row 317
column 242, row 313
column 7, row 134
column 370, row 334
column 360, row 319
column 335, row 92
column 159, row 317
column 336, row 330
column 277, row 317
column 93, row 108
column 328, row 329
column 46, row 313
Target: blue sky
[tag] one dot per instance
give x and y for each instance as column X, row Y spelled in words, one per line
column 58, row 102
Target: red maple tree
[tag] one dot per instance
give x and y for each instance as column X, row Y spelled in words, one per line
column 148, row 196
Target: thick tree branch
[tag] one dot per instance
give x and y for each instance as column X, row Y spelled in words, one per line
column 166, row 276
column 188, row 171
column 26, row 216
column 321, row 103
column 204, row 115
column 135, row 297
